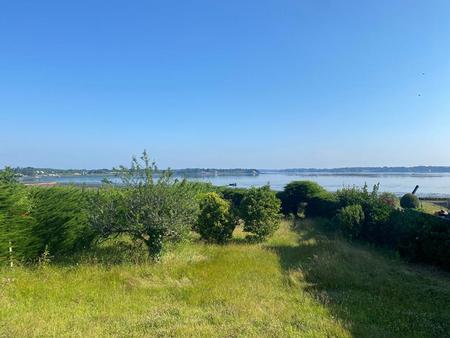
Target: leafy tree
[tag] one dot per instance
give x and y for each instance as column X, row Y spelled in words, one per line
column 260, row 212
column 149, row 209
column 215, row 222
column 409, row 201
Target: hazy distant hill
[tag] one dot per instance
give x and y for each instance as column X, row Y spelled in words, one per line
column 206, row 172
column 189, row 172
column 406, row 170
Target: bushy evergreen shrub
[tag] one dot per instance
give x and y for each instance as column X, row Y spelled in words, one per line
column 420, row 237
column 260, row 209
column 234, row 196
column 61, row 215
column 297, row 195
column 324, row 204
column 409, row 201
column 16, row 224
column 215, row 222
column 350, row 220
column 376, row 222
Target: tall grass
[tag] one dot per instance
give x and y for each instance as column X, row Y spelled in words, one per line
column 301, row 283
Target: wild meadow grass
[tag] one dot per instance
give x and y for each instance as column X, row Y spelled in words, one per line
column 301, row 283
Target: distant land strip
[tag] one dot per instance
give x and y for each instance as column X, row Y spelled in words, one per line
column 202, row 172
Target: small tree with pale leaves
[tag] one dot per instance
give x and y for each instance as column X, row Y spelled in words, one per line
column 150, row 206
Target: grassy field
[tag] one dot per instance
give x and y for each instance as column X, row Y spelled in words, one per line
column 431, row 207
column 302, row 283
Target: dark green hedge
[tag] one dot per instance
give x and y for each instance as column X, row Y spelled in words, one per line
column 419, row 237
column 61, row 215
column 34, row 219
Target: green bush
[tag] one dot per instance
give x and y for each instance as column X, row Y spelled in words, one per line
column 420, row 237
column 322, row 205
column 389, row 199
column 61, row 215
column 260, row 212
column 350, row 220
column 16, row 224
column 215, row 222
column 298, row 194
column 234, row 196
column 409, row 201
column 377, row 216
column 355, row 195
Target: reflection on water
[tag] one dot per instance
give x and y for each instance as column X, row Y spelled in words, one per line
column 436, row 185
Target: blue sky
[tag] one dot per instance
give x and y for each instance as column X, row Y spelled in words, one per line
column 265, row 84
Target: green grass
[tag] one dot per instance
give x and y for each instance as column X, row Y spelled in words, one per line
column 431, row 208
column 301, row 283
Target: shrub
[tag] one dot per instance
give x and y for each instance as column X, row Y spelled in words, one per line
column 389, row 199
column 354, row 195
column 16, row 223
column 8, row 177
column 322, row 205
column 350, row 220
column 260, row 212
column 234, row 196
column 421, row 237
column 297, row 193
column 376, row 226
column 215, row 223
column 61, row 215
column 409, row 201
column 153, row 211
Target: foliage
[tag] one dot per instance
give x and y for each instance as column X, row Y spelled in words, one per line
column 355, row 195
column 409, row 201
column 260, row 212
column 215, row 222
column 374, row 218
column 420, row 237
column 389, row 199
column 8, row 176
column 376, row 223
column 16, row 224
column 298, row 194
column 151, row 210
column 234, row 196
column 323, row 204
column 61, row 215
column 350, row 220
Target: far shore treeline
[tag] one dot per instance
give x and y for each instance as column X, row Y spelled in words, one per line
column 152, row 212
column 200, row 172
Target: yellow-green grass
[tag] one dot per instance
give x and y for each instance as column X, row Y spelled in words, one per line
column 301, row 283
column 430, row 207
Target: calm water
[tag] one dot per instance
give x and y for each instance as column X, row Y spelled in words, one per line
column 432, row 185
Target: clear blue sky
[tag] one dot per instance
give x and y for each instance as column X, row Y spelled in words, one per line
column 265, row 84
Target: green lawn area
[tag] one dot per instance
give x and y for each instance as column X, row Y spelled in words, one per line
column 301, row 283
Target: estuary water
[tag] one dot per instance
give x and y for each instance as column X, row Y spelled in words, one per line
column 430, row 185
